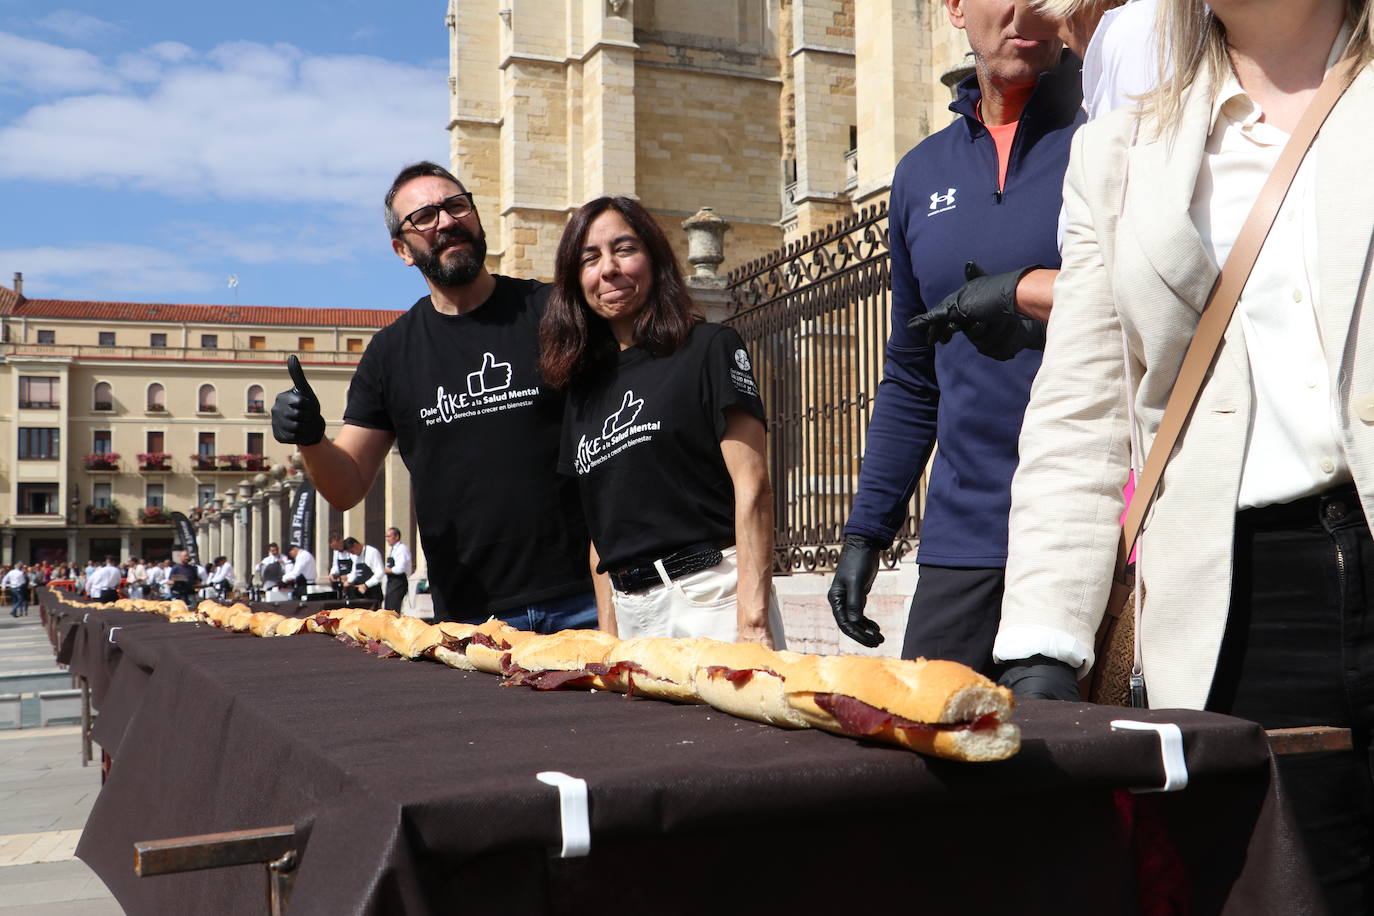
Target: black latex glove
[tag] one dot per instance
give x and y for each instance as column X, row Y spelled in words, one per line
column 854, row 573
column 984, row 308
column 296, row 417
column 1041, row 678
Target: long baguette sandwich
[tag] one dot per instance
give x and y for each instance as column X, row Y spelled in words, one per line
column 745, row 679
column 657, row 667
column 568, row 658
column 940, row 708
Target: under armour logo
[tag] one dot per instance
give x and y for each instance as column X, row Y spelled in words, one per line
column 939, row 203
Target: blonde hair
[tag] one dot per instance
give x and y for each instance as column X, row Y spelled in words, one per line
column 1063, row 9
column 1193, row 43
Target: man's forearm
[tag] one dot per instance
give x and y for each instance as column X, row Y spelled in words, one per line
column 335, row 474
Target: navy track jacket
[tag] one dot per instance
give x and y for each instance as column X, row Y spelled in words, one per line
column 946, row 210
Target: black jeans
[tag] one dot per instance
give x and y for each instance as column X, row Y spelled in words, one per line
column 1299, row 650
column 954, row 615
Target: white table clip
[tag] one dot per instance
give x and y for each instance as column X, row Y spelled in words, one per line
column 86, row 616
column 1170, row 752
column 572, row 809
column 110, row 635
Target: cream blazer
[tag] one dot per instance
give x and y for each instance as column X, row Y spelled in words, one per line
column 1134, row 263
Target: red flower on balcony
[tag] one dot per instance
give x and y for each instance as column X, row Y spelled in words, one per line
column 154, row 515
column 203, row 462
column 154, row 461
column 100, row 461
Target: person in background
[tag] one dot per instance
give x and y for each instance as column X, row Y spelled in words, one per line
column 221, row 576
column 271, row 568
column 1256, row 561
column 399, row 566
column 300, row 573
column 157, row 580
column 365, row 578
column 138, row 578
column 16, row 584
column 340, row 563
column 664, row 433
column 183, row 577
column 102, row 584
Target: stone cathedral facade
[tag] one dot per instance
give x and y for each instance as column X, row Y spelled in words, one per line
column 782, row 115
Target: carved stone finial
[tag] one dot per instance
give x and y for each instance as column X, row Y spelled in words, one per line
column 617, row 7
column 505, row 15
column 705, row 246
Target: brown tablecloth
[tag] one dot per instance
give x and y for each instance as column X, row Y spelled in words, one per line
column 413, row 788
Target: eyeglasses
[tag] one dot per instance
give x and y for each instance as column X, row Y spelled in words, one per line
column 426, row 218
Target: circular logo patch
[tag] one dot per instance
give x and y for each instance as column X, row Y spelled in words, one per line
column 742, row 360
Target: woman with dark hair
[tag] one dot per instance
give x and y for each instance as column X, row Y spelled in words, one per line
column 664, row 431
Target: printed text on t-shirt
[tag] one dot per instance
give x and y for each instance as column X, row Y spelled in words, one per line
column 619, row 431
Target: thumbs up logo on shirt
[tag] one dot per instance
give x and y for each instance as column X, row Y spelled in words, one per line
column 629, row 409
column 493, row 376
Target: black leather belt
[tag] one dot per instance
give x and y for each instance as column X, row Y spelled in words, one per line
column 690, row 559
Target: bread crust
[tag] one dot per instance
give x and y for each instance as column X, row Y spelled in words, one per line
column 670, row 665
column 759, row 696
column 934, row 691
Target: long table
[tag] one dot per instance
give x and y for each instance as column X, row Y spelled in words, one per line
column 413, row 788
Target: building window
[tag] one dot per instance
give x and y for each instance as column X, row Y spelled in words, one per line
column 38, row 391
column 205, row 494
column 157, row 396
column 206, row 399
column 104, row 397
column 47, row 337
column 157, row 441
column 38, row 443
column 254, row 444
column 354, row 344
column 100, row 442
column 153, row 497
column 209, row 341
column 257, row 342
column 305, row 344
column 205, row 448
column 107, row 338
column 102, row 494
column 38, row 499
column 157, row 340
column 255, row 401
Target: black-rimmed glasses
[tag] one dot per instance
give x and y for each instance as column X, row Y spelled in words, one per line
column 426, row 218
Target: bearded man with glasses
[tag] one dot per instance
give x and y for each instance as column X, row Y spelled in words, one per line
column 454, row 384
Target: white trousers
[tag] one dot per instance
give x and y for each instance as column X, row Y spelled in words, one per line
column 701, row 604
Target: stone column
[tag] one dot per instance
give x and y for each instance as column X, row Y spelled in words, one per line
column 321, row 546
column 124, row 544
column 276, row 494
column 291, row 485
column 225, row 517
column 256, row 546
column 71, row 545
column 243, row 557
column 212, row 529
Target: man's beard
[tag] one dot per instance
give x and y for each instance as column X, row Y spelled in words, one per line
column 462, row 268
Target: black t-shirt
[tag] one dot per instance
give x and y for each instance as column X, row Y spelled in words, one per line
column 478, row 429
column 643, row 441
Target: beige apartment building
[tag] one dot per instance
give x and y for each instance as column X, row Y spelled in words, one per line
column 782, row 115
column 113, row 414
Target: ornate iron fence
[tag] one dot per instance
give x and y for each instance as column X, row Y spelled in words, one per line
column 814, row 316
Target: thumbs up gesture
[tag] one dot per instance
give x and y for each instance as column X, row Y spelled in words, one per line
column 629, row 409
column 296, row 417
column 493, row 376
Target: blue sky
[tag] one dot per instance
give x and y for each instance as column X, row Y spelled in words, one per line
column 148, row 150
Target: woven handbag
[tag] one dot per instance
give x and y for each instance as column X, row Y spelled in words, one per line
column 1118, row 677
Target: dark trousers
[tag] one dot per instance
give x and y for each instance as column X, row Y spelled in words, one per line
column 1299, row 650
column 954, row 615
column 298, row 590
column 396, row 588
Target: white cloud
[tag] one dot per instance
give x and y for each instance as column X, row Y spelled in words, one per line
column 104, row 271
column 78, row 27
column 49, row 69
column 246, row 121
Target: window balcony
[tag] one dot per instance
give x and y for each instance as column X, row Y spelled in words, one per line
column 103, row 406
column 203, row 462
column 257, row 407
column 155, row 515
column 103, row 515
column 155, row 461
column 101, row 461
column 39, row 405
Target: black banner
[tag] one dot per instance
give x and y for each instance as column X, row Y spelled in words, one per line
column 302, row 532
column 187, row 535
